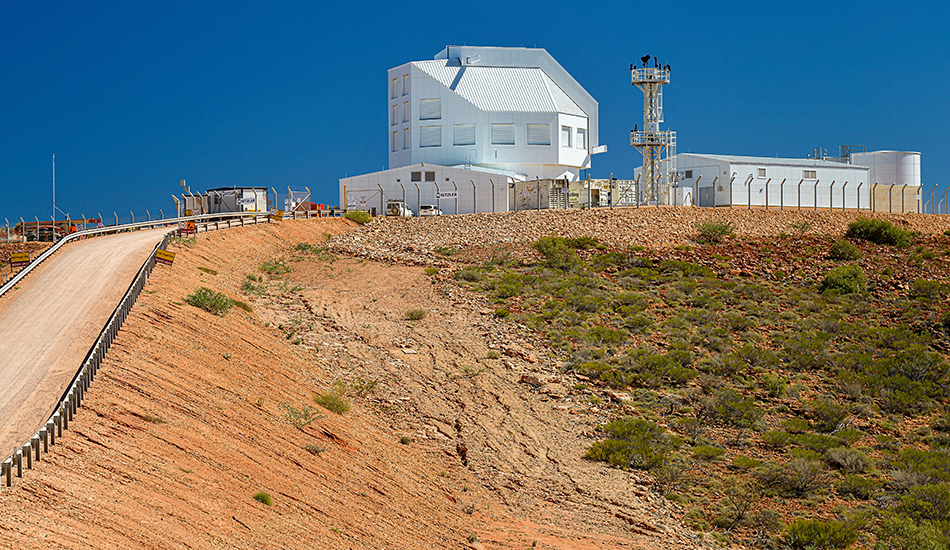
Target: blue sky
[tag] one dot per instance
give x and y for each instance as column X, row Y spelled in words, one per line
column 134, row 96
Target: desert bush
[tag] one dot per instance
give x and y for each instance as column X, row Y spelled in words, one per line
column 263, row 498
column 632, row 443
column 557, row 253
column 714, row 232
column 275, row 266
column 331, row 401
column 927, row 291
column 845, row 279
column 300, row 418
column 826, row 412
column 416, row 314
column 844, row 250
column 358, row 216
column 818, row 443
column 775, row 385
column 877, row 231
column 803, row 350
column 858, row 487
column 686, row 268
column 802, row 476
column 214, row 302
column 603, row 336
column 850, row 460
column 731, row 407
column 933, row 465
column 897, row 532
column 807, row 534
column 927, row 502
column 469, row 275
column 707, row 452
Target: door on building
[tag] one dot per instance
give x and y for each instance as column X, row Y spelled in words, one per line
column 707, row 196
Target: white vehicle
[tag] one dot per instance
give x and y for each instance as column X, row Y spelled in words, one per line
column 398, row 208
column 429, row 210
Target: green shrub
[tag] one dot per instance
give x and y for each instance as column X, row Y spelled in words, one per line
column 845, row 279
column 432, row 270
column 877, row 231
column 858, row 487
column 730, row 406
column 714, row 232
column 209, row 300
column 469, row 274
column 927, row 502
column 849, row 460
column 686, row 268
column 276, row 266
column 299, row 418
column 358, row 216
column 809, row 534
column 263, row 498
column 896, row 532
column 844, row 250
column 927, row 291
column 707, row 452
column 557, row 252
column 331, row 401
column 416, row 314
column 633, row 443
column 826, row 412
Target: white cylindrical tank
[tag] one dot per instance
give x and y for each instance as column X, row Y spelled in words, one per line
column 891, row 167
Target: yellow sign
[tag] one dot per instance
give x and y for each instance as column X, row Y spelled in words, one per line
column 277, row 215
column 20, row 259
column 188, row 212
column 164, row 257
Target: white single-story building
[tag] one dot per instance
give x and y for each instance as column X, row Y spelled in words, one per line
column 879, row 180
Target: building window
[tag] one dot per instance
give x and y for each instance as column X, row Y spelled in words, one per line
column 405, row 111
column 502, row 134
column 565, row 136
column 463, row 134
column 809, row 174
column 688, row 175
column 430, row 176
column 430, row 109
column 405, row 138
column 405, row 84
column 539, row 134
column 395, row 115
column 430, row 136
column 395, row 137
column 581, row 138
column 416, row 176
column 392, row 92
column 761, row 172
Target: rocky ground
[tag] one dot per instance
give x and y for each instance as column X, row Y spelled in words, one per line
column 462, row 433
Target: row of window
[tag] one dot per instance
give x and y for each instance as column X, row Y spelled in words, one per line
column 394, row 86
column 501, row 134
column 806, row 174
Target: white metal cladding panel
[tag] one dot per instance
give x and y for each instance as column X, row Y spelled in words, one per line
column 464, row 134
column 503, row 134
column 430, row 136
column 503, row 89
column 539, row 134
column 430, row 109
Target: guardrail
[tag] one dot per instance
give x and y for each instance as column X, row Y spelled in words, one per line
column 24, row 455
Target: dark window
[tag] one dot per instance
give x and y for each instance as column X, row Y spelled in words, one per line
column 689, row 174
column 430, row 176
column 417, row 176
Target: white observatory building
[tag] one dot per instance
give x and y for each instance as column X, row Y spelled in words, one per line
column 475, row 120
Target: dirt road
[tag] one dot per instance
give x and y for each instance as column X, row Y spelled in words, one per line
column 48, row 324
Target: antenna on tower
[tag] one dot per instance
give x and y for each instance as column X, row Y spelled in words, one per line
column 657, row 146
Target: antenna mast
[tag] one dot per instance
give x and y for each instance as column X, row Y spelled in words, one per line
column 657, row 146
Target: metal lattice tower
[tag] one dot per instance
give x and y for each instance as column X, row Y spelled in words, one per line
column 658, row 147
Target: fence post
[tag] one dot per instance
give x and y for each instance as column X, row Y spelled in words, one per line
column 843, row 187
column 767, row 193
column 474, row 199
column 800, row 193
column 816, row 195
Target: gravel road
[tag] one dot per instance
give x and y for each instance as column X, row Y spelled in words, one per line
column 49, row 322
